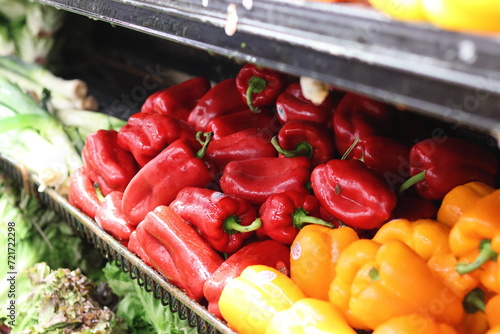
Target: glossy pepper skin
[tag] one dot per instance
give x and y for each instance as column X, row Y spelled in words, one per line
column 222, row 99
column 110, row 217
column 459, row 199
column 158, row 182
column 255, row 180
column 268, row 252
column 426, row 237
column 388, row 157
column 247, row 144
column 228, row 124
column 375, row 283
column 444, row 163
column 314, row 255
column 224, row 221
column 135, row 247
column 475, row 239
column 443, row 265
column 413, row 324
column 159, row 257
column 314, row 141
column 193, row 257
column 82, row 193
column 353, row 193
column 146, row 134
column 360, row 117
column 177, row 101
column 412, row 11
column 309, row 315
column 263, row 93
column 284, row 214
column 492, row 311
column 108, row 164
column 292, row 105
column 265, row 291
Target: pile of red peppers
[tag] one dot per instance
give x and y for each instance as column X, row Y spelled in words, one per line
column 205, row 181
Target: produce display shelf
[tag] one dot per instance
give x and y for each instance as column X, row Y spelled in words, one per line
column 112, row 250
column 446, row 75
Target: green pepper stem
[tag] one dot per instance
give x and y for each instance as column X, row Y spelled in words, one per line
column 208, row 137
column 255, row 85
column 412, row 181
column 232, row 225
column 474, row 301
column 374, row 274
column 349, row 150
column 98, row 192
column 301, row 218
column 486, row 253
column 301, row 149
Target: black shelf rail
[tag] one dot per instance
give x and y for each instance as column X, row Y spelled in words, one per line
column 446, row 75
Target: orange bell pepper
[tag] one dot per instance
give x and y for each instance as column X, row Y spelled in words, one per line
column 413, row 324
column 309, row 315
column 427, row 237
column 492, row 311
column 494, row 330
column 473, row 323
column 314, row 254
column 479, row 16
column 249, row 301
column 443, row 266
column 476, row 235
column 459, row 199
column 375, row 283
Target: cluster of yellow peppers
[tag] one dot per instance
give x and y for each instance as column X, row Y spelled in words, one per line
column 429, row 276
column 479, row 16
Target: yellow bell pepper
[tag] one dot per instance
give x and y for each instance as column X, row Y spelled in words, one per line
column 493, row 311
column 309, row 315
column 479, row 16
column 494, row 330
column 413, row 324
column 249, row 301
column 443, row 266
column 475, row 239
column 427, row 237
column 381, row 282
column 405, row 10
column 314, row 254
column 459, row 199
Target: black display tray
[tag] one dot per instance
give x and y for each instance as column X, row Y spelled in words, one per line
column 112, row 250
column 446, row 75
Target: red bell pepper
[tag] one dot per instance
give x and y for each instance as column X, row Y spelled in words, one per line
column 222, row 99
column 108, row 164
column 243, row 145
column 159, row 257
column 222, row 220
column 258, row 86
column 177, row 101
column 353, row 193
column 292, row 105
column 437, row 165
column 193, row 257
column 312, row 140
column 82, row 193
column 388, row 157
column 269, row 253
column 359, row 117
column 145, row 135
column 228, row 124
column 257, row 179
column 110, row 217
column 414, row 208
column 284, row 214
column 135, row 247
column 158, row 182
